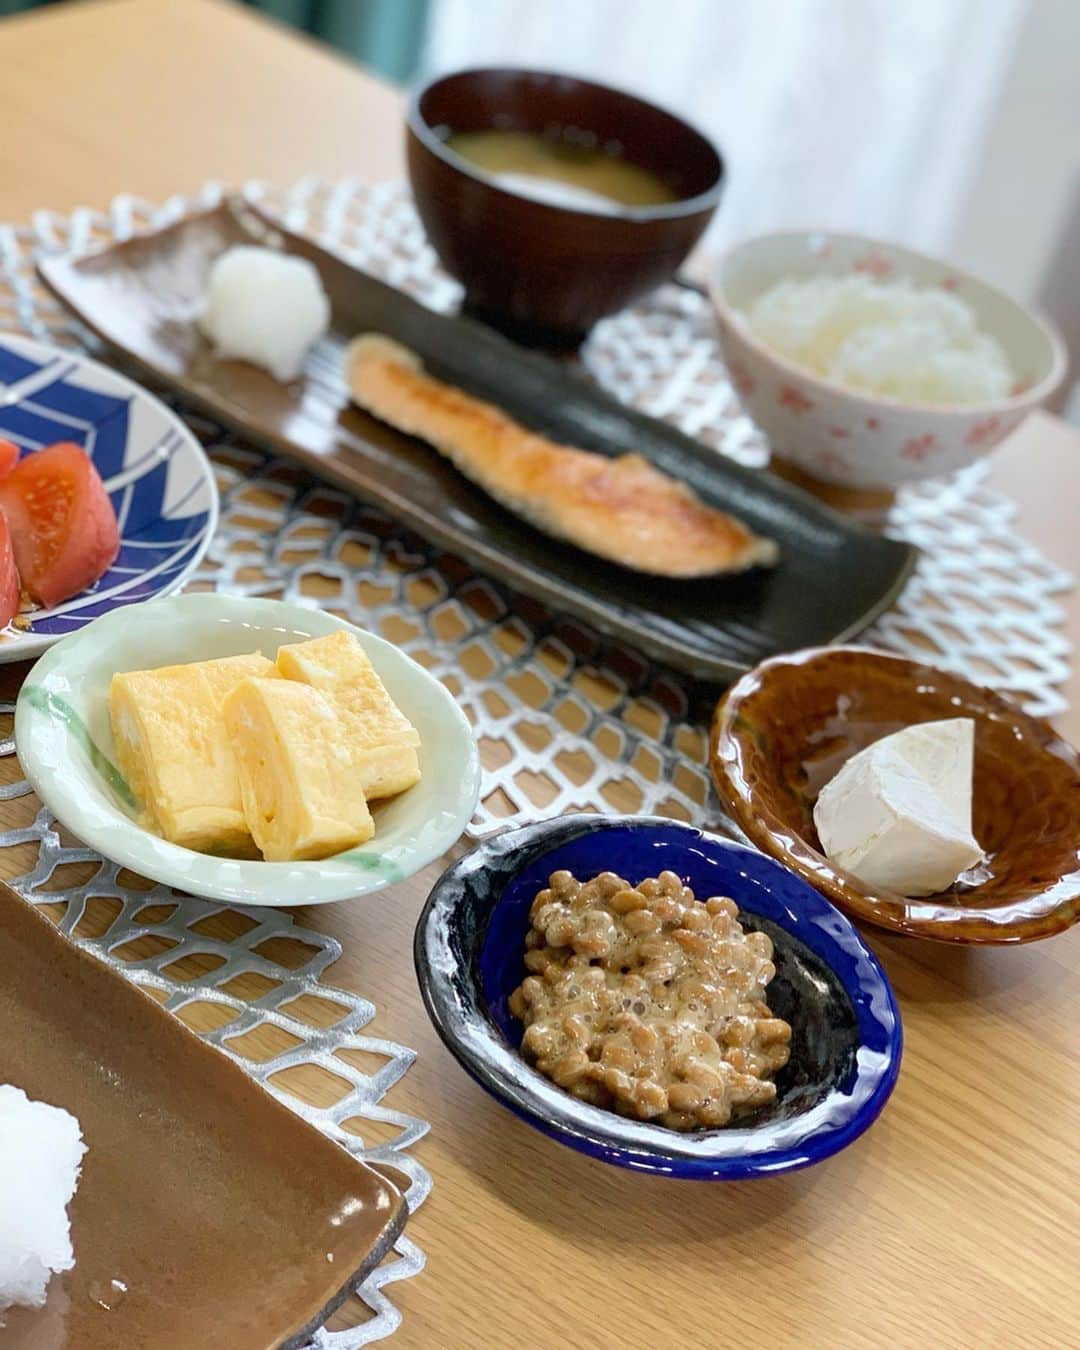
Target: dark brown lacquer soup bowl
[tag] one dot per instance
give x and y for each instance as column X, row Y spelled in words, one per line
column 785, row 729
column 544, row 273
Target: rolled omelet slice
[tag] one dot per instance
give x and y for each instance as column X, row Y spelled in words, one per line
column 296, row 775
column 382, row 741
column 172, row 748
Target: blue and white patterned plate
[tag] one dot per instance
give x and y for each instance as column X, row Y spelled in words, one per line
column 160, row 482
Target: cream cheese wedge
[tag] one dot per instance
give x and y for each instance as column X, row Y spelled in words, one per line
column 898, row 814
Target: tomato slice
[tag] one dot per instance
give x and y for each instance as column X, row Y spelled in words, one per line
column 63, row 527
column 9, row 578
column 9, row 457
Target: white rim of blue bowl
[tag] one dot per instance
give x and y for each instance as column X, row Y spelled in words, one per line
column 64, row 765
column 29, row 645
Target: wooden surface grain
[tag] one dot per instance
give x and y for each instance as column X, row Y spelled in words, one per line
column 156, row 97
column 956, row 1221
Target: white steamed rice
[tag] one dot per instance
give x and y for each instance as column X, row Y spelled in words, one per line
column 915, row 344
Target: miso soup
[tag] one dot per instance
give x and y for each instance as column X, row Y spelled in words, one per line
column 562, row 172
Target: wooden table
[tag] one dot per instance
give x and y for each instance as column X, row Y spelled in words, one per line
column 955, row 1221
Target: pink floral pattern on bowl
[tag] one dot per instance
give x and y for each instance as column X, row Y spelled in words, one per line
column 849, row 437
column 875, row 264
column 919, row 448
column 794, row 400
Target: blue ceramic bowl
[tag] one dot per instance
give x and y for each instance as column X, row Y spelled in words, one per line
column 846, row 1037
column 158, row 479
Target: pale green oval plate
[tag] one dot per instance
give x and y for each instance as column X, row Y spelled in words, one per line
column 65, row 745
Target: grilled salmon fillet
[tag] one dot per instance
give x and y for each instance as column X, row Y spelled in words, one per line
column 624, row 509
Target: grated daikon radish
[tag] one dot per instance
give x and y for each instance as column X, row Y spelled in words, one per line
column 41, row 1151
column 265, row 307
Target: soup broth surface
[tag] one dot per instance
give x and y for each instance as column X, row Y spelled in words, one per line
column 560, row 171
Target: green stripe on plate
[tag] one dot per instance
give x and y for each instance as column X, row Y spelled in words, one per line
column 52, row 705
column 369, row 862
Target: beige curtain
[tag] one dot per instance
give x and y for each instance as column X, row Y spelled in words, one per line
column 863, row 114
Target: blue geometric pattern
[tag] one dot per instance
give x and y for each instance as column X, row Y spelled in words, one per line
column 162, row 492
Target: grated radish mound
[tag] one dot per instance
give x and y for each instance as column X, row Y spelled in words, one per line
column 265, row 307
column 41, row 1151
column 914, row 344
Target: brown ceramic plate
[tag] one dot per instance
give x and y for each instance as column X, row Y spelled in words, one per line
column 834, row 576
column 785, row 729
column 231, row 1221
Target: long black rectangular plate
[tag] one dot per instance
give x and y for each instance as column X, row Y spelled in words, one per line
column 834, row 576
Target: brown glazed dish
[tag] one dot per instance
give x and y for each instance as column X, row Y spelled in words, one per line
column 786, row 728
column 545, row 274
column 231, row 1221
